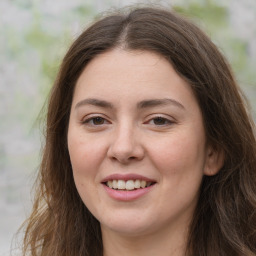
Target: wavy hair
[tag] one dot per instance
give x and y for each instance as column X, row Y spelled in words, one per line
column 224, row 222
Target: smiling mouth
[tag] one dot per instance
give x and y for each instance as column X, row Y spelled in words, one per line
column 128, row 185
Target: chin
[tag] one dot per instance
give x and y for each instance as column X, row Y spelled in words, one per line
column 128, row 225
column 130, row 231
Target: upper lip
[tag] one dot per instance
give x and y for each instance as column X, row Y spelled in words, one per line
column 125, row 177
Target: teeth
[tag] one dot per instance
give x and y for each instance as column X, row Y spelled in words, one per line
column 143, row 183
column 128, row 185
column 137, row 184
column 121, row 184
column 110, row 184
column 114, row 184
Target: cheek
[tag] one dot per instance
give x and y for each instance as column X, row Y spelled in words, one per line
column 180, row 162
column 85, row 154
column 85, row 159
column 179, row 155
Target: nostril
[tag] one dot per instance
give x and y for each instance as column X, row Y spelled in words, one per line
column 125, row 153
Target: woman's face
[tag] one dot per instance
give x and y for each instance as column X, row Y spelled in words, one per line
column 137, row 143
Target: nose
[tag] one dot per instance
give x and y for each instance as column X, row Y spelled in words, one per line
column 126, row 146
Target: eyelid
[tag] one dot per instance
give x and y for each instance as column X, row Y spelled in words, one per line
column 169, row 119
column 90, row 117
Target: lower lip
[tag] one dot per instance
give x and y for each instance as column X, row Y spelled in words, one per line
column 127, row 195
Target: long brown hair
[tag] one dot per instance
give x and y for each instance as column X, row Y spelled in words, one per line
column 224, row 222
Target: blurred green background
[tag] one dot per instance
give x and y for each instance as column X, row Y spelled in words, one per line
column 34, row 36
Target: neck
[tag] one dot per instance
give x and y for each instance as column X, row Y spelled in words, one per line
column 162, row 244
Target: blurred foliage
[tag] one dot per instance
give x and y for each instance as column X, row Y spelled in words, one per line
column 214, row 19
column 47, row 47
column 51, row 45
column 40, row 46
column 215, row 15
column 33, row 41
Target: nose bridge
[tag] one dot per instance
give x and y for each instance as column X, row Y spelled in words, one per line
column 125, row 143
column 126, row 136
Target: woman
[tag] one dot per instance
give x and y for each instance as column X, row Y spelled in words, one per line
column 149, row 147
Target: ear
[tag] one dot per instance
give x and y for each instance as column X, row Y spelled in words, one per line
column 214, row 160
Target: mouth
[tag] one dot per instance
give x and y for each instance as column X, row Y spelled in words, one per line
column 128, row 185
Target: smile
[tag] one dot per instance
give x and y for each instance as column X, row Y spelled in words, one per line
column 128, row 184
column 127, row 187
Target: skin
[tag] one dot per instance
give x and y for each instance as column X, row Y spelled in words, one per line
column 165, row 142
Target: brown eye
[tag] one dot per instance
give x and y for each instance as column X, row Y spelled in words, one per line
column 160, row 121
column 97, row 120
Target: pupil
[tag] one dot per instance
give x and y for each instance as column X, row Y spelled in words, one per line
column 98, row 120
column 159, row 121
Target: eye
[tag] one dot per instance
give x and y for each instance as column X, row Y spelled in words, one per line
column 160, row 121
column 95, row 121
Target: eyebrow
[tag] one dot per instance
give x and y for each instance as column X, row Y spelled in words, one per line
column 94, row 102
column 141, row 105
column 159, row 102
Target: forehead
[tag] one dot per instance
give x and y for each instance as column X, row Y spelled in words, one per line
column 125, row 63
column 131, row 75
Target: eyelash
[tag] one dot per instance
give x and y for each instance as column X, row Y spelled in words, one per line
column 162, row 119
column 91, row 121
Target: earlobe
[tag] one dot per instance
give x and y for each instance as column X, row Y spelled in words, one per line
column 214, row 161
